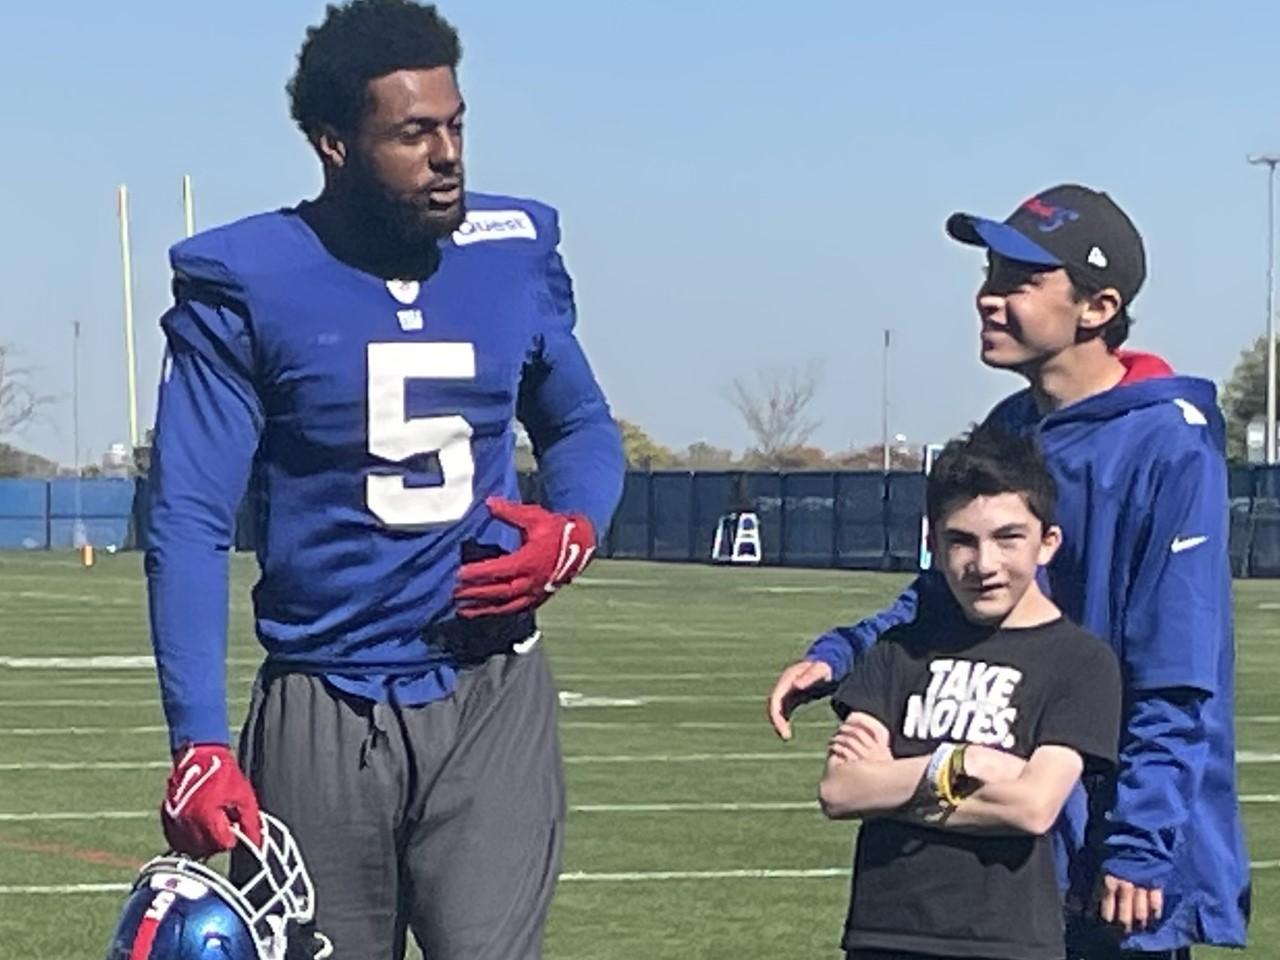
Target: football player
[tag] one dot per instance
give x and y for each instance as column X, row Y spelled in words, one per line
column 362, row 359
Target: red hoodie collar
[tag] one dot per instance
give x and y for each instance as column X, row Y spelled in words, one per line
column 1140, row 366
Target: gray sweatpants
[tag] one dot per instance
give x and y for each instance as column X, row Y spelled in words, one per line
column 446, row 819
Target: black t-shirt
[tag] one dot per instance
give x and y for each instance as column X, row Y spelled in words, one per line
column 935, row 891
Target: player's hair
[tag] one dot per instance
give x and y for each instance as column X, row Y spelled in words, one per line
column 986, row 462
column 1116, row 330
column 360, row 41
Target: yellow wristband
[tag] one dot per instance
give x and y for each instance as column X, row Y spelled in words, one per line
column 955, row 770
column 942, row 779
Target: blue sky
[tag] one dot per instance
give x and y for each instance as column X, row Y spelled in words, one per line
column 740, row 185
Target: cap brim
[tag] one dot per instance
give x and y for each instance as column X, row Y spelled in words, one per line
column 999, row 238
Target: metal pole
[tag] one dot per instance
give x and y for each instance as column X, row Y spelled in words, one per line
column 884, row 403
column 77, row 533
column 1270, row 160
column 1271, row 312
column 188, row 205
column 75, row 394
column 126, row 266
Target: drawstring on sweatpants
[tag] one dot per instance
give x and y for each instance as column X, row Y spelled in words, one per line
column 377, row 722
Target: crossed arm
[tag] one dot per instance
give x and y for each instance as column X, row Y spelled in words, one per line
column 862, row 779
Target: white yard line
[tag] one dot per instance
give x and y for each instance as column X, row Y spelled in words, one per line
column 64, row 889
column 638, row 876
column 690, row 757
column 78, row 731
column 98, row 662
column 1256, row 756
column 612, row 758
column 711, row 677
column 57, row 766
column 568, row 698
column 659, row 875
column 75, row 815
column 764, row 806
column 99, row 704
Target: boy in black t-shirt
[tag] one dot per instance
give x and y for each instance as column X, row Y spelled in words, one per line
column 965, row 732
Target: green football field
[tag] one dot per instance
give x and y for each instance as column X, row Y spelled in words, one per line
column 693, row 831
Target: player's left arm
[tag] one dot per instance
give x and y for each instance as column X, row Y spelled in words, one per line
column 580, row 463
column 575, row 440
column 1177, row 618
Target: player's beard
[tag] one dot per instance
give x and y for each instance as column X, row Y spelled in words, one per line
column 400, row 225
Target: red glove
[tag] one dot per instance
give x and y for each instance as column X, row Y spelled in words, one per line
column 557, row 547
column 205, row 794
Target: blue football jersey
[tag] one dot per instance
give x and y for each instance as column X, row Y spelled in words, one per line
column 375, row 417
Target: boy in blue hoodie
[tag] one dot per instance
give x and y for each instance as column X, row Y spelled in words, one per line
column 1137, row 454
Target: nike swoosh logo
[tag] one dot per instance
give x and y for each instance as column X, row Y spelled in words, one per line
column 193, row 778
column 564, row 562
column 1186, row 543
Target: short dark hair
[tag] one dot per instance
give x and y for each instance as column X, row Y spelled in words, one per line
column 986, row 462
column 1116, row 330
column 360, row 41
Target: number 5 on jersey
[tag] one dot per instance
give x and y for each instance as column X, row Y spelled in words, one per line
column 395, row 436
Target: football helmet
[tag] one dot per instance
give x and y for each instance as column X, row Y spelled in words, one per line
column 183, row 909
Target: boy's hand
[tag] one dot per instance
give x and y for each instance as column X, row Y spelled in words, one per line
column 860, row 737
column 1128, row 906
column 990, row 765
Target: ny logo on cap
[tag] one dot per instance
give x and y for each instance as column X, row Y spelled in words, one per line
column 1051, row 217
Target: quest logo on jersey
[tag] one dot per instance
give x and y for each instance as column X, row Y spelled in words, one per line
column 495, row 225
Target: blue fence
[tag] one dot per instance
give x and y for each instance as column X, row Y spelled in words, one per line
column 39, row 514
column 864, row 521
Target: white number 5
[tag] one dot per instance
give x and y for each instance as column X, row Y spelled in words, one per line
column 395, row 436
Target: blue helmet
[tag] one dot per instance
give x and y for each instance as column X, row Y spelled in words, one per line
column 183, row 909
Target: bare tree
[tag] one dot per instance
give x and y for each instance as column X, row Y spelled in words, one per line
column 774, row 405
column 20, row 404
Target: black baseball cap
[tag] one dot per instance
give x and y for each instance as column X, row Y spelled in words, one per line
column 1065, row 226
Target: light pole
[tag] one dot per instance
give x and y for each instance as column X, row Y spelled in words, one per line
column 1270, row 160
column 78, row 538
column 884, row 405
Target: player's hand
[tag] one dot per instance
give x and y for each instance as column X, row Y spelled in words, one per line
column 861, row 737
column 1129, row 907
column 794, row 687
column 304, row 942
column 205, row 794
column 990, row 765
column 556, row 548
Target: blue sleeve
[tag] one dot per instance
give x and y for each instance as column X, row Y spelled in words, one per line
column 575, row 439
column 1163, row 753
column 869, row 688
column 208, row 422
column 1177, row 612
column 841, row 647
column 1177, row 617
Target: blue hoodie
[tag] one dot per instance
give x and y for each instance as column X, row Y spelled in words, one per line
column 1142, row 501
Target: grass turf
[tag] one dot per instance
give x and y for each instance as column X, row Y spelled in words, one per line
column 672, row 664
